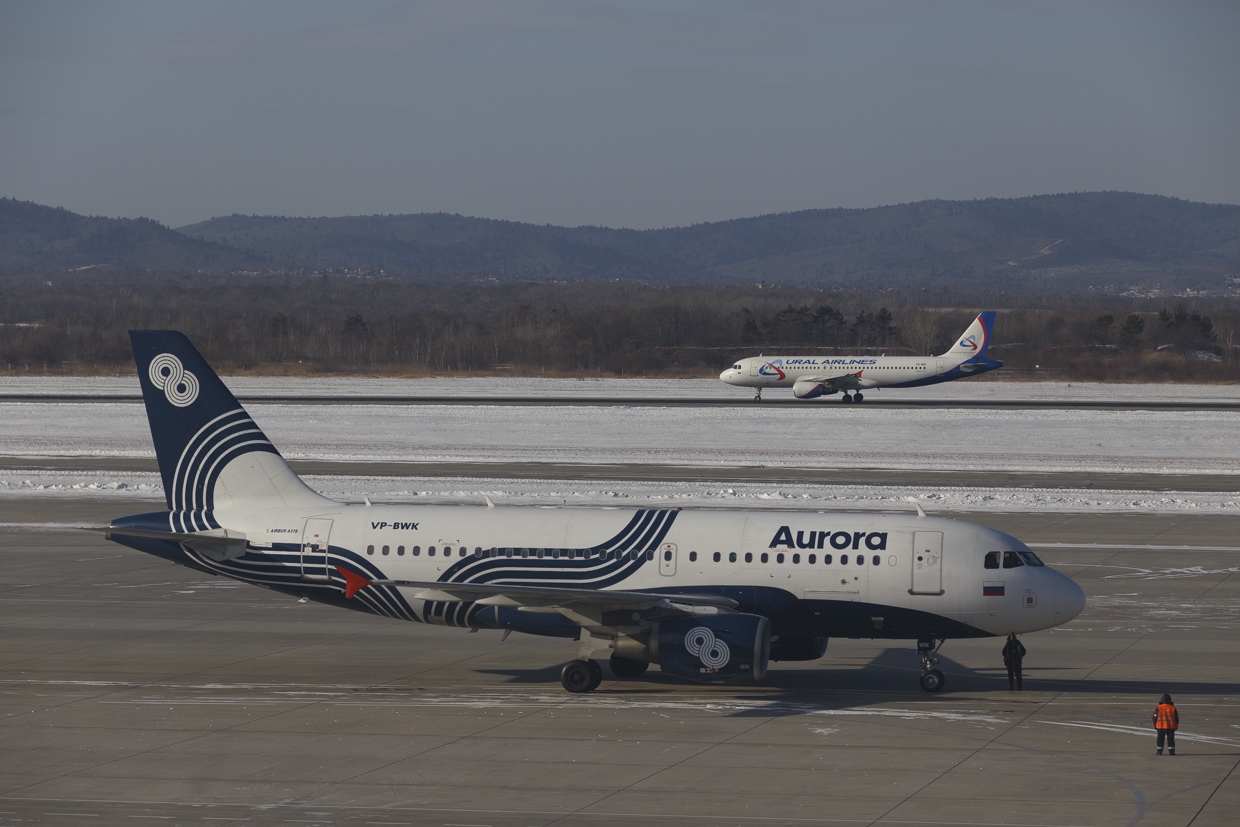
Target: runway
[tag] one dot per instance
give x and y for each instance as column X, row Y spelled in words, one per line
column 135, row 690
column 646, row 472
column 873, row 399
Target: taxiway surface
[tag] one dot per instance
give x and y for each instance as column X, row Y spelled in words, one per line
column 136, row 690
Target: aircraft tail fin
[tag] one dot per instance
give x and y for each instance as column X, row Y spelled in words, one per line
column 975, row 341
column 211, row 453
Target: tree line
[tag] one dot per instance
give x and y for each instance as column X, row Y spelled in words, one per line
column 76, row 323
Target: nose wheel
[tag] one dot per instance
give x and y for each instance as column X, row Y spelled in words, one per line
column 931, row 679
column 757, row 395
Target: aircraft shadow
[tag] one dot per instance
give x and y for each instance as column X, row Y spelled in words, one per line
column 827, row 684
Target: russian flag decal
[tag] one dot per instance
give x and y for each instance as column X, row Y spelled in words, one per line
column 992, row 588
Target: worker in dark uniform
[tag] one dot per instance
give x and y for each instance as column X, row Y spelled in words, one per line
column 1013, row 653
column 1166, row 722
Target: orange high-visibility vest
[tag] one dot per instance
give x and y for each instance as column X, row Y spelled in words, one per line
column 1165, row 717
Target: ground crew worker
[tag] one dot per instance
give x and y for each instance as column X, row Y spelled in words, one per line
column 1166, row 721
column 1013, row 652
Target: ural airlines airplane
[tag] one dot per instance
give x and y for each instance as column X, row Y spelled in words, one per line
column 708, row 596
column 813, row 376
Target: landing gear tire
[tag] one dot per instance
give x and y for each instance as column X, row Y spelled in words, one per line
column 625, row 669
column 847, row 398
column 596, row 674
column 757, row 397
column 931, row 681
column 581, row 676
column 857, row 397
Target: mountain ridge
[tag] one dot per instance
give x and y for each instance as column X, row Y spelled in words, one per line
column 1110, row 241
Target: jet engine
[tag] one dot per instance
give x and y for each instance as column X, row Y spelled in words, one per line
column 804, row 389
column 724, row 648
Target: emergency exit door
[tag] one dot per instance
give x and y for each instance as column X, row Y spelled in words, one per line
column 927, row 562
column 941, row 367
column 667, row 559
column 314, row 549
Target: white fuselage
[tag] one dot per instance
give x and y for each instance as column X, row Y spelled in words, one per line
column 821, row 558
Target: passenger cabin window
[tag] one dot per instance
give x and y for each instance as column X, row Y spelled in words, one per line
column 415, row 551
column 385, row 551
column 812, row 559
column 876, row 560
column 796, row 558
column 716, row 557
column 992, row 560
column 765, row 557
column 1011, row 560
column 400, row 551
column 826, row 559
column 370, row 549
column 843, row 559
column 693, row 557
column 779, row 558
column 731, row 556
column 430, row 551
column 748, row 557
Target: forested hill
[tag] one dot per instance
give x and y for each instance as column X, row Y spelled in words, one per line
column 1101, row 239
column 50, row 238
column 1107, row 241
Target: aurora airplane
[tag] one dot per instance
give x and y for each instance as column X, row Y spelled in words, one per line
column 814, row 376
column 708, row 596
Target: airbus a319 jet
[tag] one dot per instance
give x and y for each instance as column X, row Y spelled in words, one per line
column 708, row 596
column 813, row 376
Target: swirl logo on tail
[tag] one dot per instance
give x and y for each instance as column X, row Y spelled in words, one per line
column 170, row 376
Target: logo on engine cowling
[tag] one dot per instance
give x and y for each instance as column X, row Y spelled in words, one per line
column 170, row 376
column 702, row 644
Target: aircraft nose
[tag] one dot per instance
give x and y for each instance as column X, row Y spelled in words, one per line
column 726, row 376
column 1069, row 599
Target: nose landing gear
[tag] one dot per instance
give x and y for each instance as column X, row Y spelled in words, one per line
column 931, row 679
column 757, row 395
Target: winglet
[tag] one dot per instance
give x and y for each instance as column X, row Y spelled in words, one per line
column 353, row 583
column 921, row 512
column 488, row 499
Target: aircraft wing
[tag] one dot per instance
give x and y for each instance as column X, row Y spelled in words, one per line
column 541, row 597
column 838, row 382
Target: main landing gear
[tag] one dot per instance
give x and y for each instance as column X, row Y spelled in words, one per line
column 581, row 676
column 931, row 679
column 853, row 397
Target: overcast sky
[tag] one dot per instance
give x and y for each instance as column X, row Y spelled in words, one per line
column 634, row 114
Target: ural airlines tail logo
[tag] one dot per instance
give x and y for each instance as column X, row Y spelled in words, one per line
column 703, row 645
column 170, row 376
column 970, row 342
column 771, row 370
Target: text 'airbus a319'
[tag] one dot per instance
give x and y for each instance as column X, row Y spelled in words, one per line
column 708, row 596
column 813, row 376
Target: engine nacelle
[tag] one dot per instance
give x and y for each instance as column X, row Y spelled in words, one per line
column 724, row 648
column 808, row 390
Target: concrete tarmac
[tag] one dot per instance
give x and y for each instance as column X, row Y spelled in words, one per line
column 776, row 397
column 135, row 691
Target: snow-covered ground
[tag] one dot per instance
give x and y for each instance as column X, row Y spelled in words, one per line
column 810, row 436
column 1174, row 442
column 499, row 386
column 942, row 500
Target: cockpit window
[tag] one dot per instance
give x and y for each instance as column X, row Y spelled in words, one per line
column 1011, row 560
column 992, row 559
column 1031, row 559
column 736, row 367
